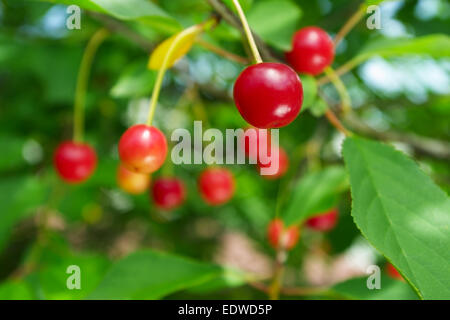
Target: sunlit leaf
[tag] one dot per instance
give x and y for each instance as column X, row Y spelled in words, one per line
column 402, row 213
column 135, row 81
column 138, row 10
column 436, row 45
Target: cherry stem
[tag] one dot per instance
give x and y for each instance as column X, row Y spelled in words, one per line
column 275, row 287
column 346, row 103
column 159, row 79
column 349, row 25
column 291, row 291
column 248, row 32
column 82, row 81
column 333, row 119
column 346, row 67
column 221, row 52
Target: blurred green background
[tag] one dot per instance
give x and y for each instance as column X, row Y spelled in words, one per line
column 46, row 225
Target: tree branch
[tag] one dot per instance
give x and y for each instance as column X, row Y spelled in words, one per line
column 119, row 27
column 421, row 145
column 289, row 291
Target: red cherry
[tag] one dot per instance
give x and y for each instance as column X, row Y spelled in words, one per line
column 279, row 236
column 392, row 272
column 216, row 185
column 268, row 95
column 143, row 149
column 323, row 222
column 312, row 51
column 168, row 193
column 283, row 165
column 74, row 162
column 256, row 141
column 132, row 182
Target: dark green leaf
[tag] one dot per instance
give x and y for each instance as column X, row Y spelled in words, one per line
column 152, row 275
column 315, row 193
column 18, row 198
column 357, row 289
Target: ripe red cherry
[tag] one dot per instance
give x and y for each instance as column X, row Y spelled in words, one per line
column 143, row 149
column 132, row 182
column 392, row 272
column 268, row 95
column 168, row 193
column 280, row 237
column 312, row 51
column 216, row 186
column 283, row 165
column 323, row 222
column 74, row 162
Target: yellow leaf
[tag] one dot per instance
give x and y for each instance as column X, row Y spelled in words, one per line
column 183, row 43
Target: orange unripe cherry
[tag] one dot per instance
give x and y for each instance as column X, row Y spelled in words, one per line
column 132, row 182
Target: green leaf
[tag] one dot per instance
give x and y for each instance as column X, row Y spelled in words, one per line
column 18, row 198
column 135, row 81
column 139, row 10
column 390, row 289
column 437, row 45
column 15, row 290
column 11, row 146
column 151, row 275
column 373, row 2
column 50, row 280
column 402, row 213
column 318, row 108
column 228, row 279
column 315, row 193
column 284, row 17
column 309, row 84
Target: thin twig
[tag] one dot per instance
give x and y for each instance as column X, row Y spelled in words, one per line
column 348, row 26
column 333, row 119
column 221, row 52
column 346, row 67
column 119, row 27
column 289, row 291
column 421, row 145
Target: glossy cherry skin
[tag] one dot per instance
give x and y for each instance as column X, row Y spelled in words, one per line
column 312, row 51
column 392, row 272
column 143, row 149
column 283, row 165
column 216, row 185
column 280, row 237
column 323, row 222
column 74, row 162
column 132, row 182
column 168, row 193
column 268, row 95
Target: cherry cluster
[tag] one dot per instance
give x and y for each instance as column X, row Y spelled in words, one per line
column 267, row 95
column 142, row 151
